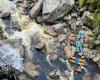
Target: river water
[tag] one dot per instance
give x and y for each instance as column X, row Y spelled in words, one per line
column 40, row 59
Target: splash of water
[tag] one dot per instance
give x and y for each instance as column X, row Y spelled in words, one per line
column 11, row 57
column 7, row 6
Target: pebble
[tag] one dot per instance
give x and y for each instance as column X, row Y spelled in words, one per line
column 97, row 58
column 61, row 37
column 51, row 31
column 39, row 19
column 23, row 77
column 53, row 56
column 73, row 26
column 74, row 14
column 39, row 45
column 68, row 17
column 31, row 69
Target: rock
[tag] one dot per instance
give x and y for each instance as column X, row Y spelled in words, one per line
column 79, row 23
column 87, row 19
column 61, row 37
column 97, row 42
column 86, row 52
column 96, row 76
column 92, row 56
column 5, row 15
column 97, row 58
column 31, row 69
column 84, row 28
column 78, row 18
column 51, row 31
column 54, row 9
column 74, row 14
column 98, row 38
column 86, row 76
column 39, row 19
column 60, row 31
column 53, row 56
column 23, row 77
column 83, row 8
column 66, row 30
column 40, row 45
column 26, row 8
column 68, row 17
column 59, row 25
column 73, row 26
column 36, row 9
column 73, row 21
column 52, row 73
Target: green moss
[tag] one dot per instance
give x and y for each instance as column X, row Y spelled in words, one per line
column 95, row 7
column 98, row 50
column 96, row 24
column 91, row 43
column 81, row 2
column 97, row 15
column 94, row 4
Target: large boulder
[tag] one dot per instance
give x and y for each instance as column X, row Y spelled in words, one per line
column 54, row 9
column 36, row 8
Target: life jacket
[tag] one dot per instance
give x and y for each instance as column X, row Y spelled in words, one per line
column 77, row 60
column 81, row 34
column 79, row 46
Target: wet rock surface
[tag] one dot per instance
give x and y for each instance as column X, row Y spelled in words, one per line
column 36, row 8
column 31, row 69
column 54, row 9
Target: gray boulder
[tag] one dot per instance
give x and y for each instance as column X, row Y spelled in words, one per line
column 54, row 9
column 36, row 8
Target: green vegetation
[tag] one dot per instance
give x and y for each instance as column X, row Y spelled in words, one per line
column 94, row 7
column 98, row 49
column 81, row 2
column 91, row 43
column 94, row 4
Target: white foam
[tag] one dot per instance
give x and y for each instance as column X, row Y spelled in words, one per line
column 11, row 57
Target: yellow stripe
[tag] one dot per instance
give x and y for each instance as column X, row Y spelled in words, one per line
column 80, row 62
